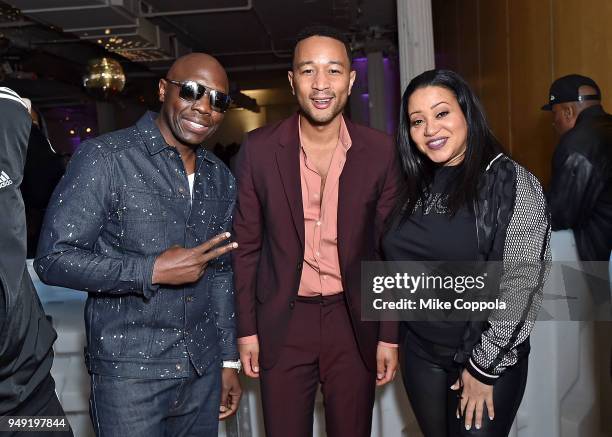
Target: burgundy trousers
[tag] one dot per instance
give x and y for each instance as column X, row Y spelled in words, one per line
column 320, row 347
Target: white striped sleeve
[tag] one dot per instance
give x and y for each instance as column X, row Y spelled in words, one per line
column 7, row 93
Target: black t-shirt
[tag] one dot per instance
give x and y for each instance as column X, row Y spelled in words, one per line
column 431, row 233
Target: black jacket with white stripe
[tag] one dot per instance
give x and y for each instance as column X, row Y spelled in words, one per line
column 26, row 336
column 513, row 226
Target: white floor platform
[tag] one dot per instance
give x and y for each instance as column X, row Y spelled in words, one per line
column 560, row 400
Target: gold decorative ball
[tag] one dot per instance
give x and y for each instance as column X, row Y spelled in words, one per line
column 104, row 78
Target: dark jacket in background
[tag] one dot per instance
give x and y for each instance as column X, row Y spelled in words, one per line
column 124, row 200
column 580, row 195
column 43, row 170
column 26, row 336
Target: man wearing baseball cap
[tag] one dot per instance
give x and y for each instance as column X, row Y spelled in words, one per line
column 580, row 195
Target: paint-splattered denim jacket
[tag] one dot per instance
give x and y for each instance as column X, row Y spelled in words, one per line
column 124, row 199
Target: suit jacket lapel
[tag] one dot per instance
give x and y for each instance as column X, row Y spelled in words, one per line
column 288, row 161
column 349, row 190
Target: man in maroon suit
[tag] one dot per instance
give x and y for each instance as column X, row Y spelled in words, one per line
column 314, row 192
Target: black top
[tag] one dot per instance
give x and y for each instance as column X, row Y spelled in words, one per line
column 431, row 233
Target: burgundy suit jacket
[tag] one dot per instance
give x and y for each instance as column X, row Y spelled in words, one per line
column 269, row 229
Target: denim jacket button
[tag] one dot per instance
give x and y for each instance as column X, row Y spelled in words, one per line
column 178, row 367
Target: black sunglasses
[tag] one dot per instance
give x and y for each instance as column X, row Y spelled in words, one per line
column 191, row 91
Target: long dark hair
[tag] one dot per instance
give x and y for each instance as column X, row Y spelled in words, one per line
column 482, row 146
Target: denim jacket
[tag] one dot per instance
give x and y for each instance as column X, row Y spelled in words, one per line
column 125, row 199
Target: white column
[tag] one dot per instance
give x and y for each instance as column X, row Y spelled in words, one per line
column 415, row 35
column 376, row 91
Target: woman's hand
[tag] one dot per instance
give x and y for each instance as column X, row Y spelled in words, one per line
column 474, row 397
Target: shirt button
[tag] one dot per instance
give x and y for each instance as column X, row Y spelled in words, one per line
column 316, row 195
column 178, row 367
column 318, row 253
column 319, row 223
column 324, row 277
column 291, row 304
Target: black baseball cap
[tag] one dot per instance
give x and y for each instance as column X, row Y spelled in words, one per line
column 565, row 89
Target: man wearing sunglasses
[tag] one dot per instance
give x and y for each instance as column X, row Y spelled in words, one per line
column 313, row 193
column 140, row 222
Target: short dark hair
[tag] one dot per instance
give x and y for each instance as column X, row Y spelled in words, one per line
column 482, row 146
column 327, row 31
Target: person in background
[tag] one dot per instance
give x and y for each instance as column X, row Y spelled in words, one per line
column 44, row 168
column 137, row 222
column 26, row 335
column 314, row 191
column 580, row 193
column 465, row 201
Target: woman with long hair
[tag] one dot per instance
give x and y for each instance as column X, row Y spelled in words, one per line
column 464, row 200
